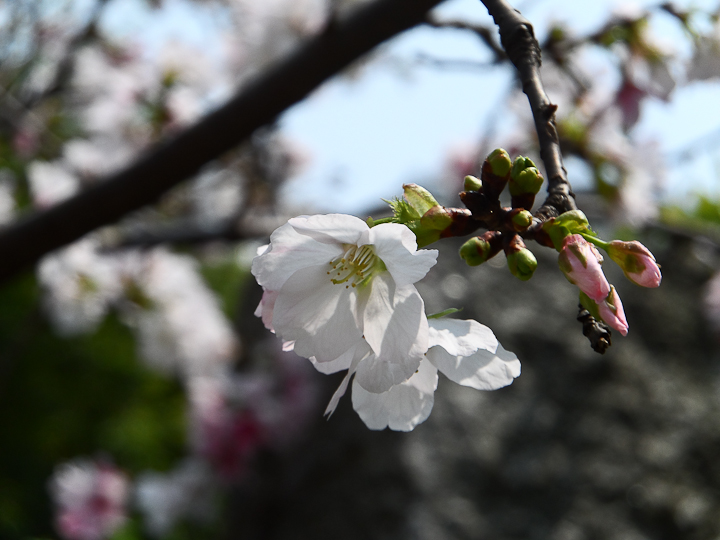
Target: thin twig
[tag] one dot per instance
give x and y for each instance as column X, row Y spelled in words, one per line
column 483, row 32
column 518, row 40
column 170, row 162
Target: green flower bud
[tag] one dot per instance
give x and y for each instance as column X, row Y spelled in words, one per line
column 521, row 220
column 500, row 162
column 526, row 181
column 472, row 184
column 476, row 251
column 519, row 165
column 419, row 198
column 522, row 264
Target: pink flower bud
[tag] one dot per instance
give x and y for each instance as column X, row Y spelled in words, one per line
column 612, row 313
column 636, row 261
column 580, row 262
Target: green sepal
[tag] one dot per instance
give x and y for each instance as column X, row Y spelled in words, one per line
column 449, row 311
column 436, row 218
column 423, row 235
column 572, row 222
column 419, row 198
column 590, row 304
column 403, row 212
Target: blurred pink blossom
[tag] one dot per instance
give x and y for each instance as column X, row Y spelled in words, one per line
column 90, row 499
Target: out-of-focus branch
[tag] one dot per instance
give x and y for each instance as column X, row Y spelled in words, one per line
column 483, row 32
column 172, row 161
column 518, row 40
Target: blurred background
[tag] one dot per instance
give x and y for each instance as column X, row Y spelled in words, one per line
column 140, row 398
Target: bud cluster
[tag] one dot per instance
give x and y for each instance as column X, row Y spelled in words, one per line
column 507, row 227
column 482, row 195
column 580, row 261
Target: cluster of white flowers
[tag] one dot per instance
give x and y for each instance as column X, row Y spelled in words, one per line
column 342, row 294
column 177, row 319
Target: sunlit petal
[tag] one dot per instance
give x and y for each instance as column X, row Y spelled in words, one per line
column 290, row 252
column 403, row 406
column 330, row 228
column 317, row 314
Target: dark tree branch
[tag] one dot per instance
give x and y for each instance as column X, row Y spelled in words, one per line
column 518, row 40
column 597, row 332
column 172, row 161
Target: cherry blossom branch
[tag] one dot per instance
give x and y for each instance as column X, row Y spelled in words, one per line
column 518, row 40
column 170, row 162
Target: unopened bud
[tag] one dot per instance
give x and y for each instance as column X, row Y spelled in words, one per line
column 472, row 184
column 525, row 180
column 612, row 312
column 495, row 173
column 521, row 261
column 521, row 219
column 419, row 198
column 520, row 164
column 522, row 264
column 636, row 261
column 500, row 162
column 481, row 248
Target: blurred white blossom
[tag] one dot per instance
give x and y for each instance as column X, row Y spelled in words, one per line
column 90, row 499
column 188, row 492
column 50, row 183
column 80, row 285
column 182, row 329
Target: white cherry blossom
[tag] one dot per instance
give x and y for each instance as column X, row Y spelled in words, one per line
column 466, row 352
column 343, row 293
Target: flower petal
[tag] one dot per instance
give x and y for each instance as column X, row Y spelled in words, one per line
column 461, row 338
column 357, row 353
column 330, row 228
column 482, row 370
column 396, row 328
column 317, row 314
column 340, row 363
column 395, row 244
column 265, row 308
column 289, row 252
column 402, row 407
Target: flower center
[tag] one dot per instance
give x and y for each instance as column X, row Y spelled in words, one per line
column 353, row 266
